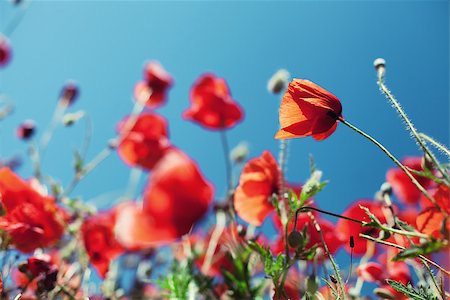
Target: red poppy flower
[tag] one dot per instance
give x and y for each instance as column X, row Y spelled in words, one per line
column 146, row 143
column 349, row 228
column 258, row 182
column 31, row 219
column 307, row 109
column 211, row 104
column 99, row 240
column 176, row 197
column 403, row 188
column 431, row 219
column 152, row 91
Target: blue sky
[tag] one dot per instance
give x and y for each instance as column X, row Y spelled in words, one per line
column 103, row 46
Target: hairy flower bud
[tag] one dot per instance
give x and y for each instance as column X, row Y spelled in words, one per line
column 278, row 82
column 380, row 66
column 239, row 153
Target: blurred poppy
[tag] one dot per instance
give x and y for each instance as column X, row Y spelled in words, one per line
column 371, row 272
column 211, row 104
column 31, row 220
column 175, row 198
column 99, row 241
column 349, row 228
column 403, row 188
column 153, row 89
column 307, row 109
column 146, row 142
column 431, row 220
column 258, row 182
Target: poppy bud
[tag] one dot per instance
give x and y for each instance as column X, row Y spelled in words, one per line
column 5, row 51
column 352, row 242
column 239, row 153
column 69, row 93
column 26, row 130
column 279, row 81
column 427, row 163
column 295, row 239
column 386, row 189
column 380, row 66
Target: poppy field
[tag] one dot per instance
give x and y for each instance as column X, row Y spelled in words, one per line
column 173, row 232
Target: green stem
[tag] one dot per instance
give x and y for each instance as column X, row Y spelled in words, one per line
column 396, row 161
column 410, row 126
column 368, row 237
column 327, row 251
column 226, row 154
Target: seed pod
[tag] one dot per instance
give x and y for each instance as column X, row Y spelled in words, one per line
column 295, row 239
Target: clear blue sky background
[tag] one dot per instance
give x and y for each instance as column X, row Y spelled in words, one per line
column 104, row 44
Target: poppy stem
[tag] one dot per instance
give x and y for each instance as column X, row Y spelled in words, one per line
column 108, row 150
column 410, row 125
column 309, row 208
column 423, row 258
column 327, row 251
column 396, row 161
column 226, row 154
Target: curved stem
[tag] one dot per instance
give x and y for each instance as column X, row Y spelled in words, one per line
column 410, row 126
column 396, row 161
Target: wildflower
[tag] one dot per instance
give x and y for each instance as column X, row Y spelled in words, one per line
column 31, row 219
column 308, row 110
column 258, row 182
column 349, row 228
column 153, row 89
column 175, row 198
column 5, row 51
column 211, row 104
column 145, row 143
column 402, row 185
column 99, row 241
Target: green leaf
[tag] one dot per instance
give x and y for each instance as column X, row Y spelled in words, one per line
column 423, row 293
column 422, row 249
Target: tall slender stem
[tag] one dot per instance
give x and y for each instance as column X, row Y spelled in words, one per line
column 327, row 251
column 396, row 161
column 226, row 154
column 410, row 125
